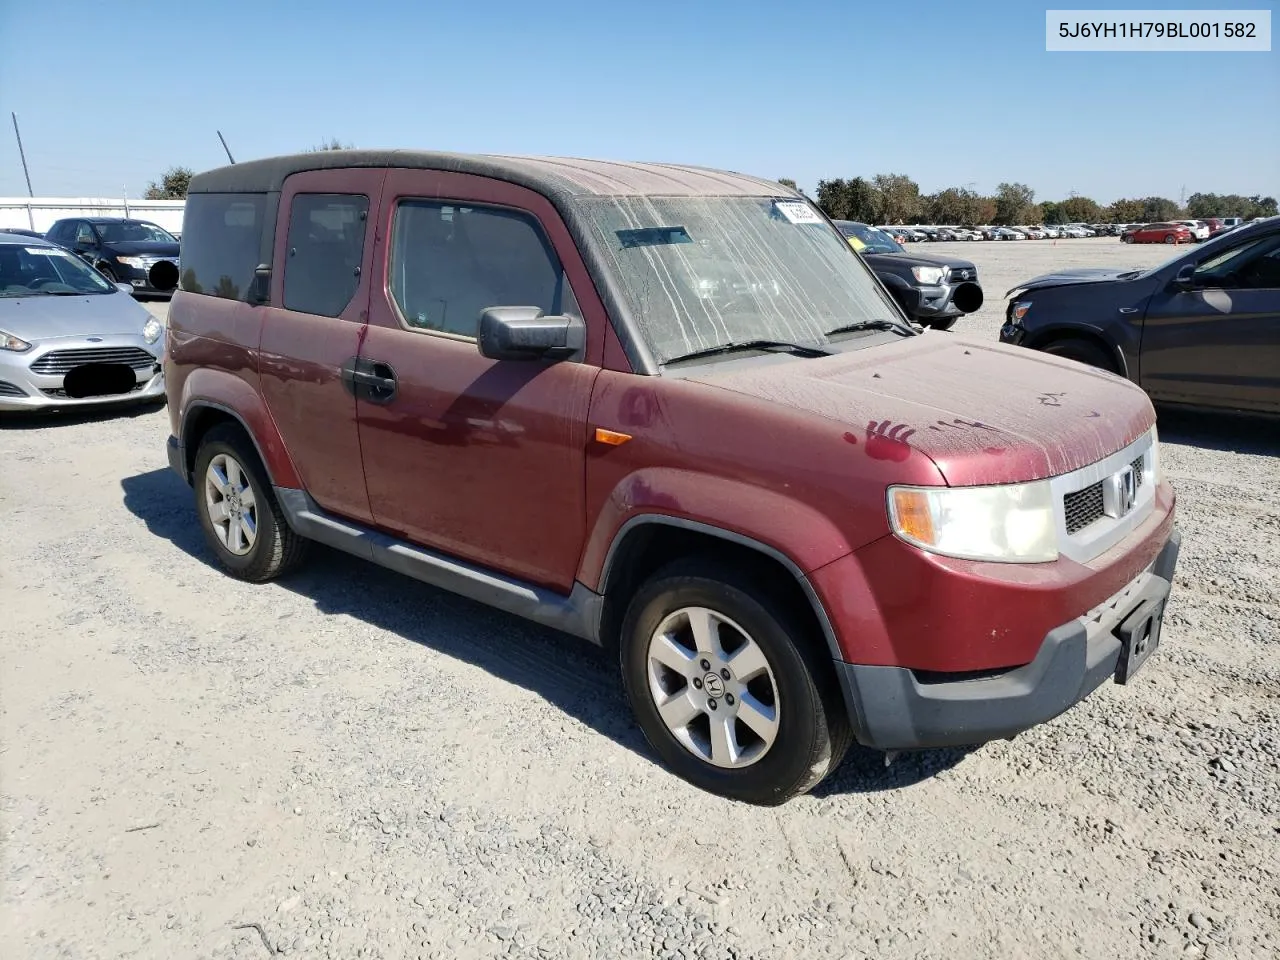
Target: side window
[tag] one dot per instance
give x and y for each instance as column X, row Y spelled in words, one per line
column 1254, row 265
column 84, row 233
column 326, row 244
column 221, row 242
column 449, row 263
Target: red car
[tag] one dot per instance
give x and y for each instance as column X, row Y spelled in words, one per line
column 568, row 389
column 1158, row 233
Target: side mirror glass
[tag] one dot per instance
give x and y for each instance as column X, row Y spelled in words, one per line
column 260, row 289
column 524, row 333
column 1185, row 278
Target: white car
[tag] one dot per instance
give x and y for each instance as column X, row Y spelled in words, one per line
column 1198, row 230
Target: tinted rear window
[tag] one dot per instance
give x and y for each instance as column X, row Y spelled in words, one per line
column 222, row 242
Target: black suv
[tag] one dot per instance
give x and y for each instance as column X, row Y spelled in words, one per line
column 934, row 291
column 135, row 252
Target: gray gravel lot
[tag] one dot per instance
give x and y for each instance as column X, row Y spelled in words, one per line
column 350, row 764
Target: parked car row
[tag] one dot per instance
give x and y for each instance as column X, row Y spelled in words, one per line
column 137, row 253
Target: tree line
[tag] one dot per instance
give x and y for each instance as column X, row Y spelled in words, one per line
column 896, row 198
column 175, row 182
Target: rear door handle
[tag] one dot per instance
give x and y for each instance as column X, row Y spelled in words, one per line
column 371, row 379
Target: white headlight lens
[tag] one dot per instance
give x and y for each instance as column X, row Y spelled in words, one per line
column 9, row 342
column 152, row 330
column 1011, row 523
column 133, row 261
column 929, row 274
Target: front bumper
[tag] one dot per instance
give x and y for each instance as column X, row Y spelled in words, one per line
column 24, row 388
column 936, row 301
column 147, row 278
column 894, row 708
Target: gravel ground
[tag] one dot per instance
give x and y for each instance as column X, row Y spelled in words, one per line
column 350, row 764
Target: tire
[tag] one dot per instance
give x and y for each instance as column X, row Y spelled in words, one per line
column 107, row 272
column 942, row 323
column 1082, row 351
column 1126, row 238
column 791, row 685
column 1170, row 238
column 273, row 549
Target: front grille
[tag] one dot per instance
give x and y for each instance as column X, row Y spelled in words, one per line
column 958, row 274
column 1083, row 507
column 59, row 362
column 62, row 394
column 7, row 389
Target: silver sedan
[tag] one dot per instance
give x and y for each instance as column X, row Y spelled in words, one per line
column 68, row 336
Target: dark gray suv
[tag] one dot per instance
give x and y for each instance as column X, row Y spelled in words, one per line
column 1202, row 330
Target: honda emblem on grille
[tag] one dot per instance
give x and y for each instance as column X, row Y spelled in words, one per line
column 1119, row 491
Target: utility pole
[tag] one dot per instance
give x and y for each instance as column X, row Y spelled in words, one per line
column 22, row 154
column 226, row 148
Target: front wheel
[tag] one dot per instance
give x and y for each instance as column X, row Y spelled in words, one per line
column 727, row 686
column 1082, row 351
column 107, row 272
column 1126, row 239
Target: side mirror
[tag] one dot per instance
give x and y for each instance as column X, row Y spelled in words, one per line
column 124, row 288
column 1185, row 278
column 524, row 333
column 83, row 244
column 260, row 289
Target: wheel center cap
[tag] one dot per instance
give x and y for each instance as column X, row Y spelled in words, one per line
column 713, row 685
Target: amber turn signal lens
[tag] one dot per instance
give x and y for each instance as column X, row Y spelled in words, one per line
column 612, row 437
column 911, row 510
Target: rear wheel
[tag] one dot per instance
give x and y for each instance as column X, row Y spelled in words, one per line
column 1082, row 351
column 727, row 687
column 1170, row 238
column 238, row 511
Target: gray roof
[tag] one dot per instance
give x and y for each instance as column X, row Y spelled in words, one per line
column 551, row 176
column 24, row 240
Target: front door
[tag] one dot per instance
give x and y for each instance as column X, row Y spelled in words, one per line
column 1219, row 343
column 312, row 328
column 480, row 459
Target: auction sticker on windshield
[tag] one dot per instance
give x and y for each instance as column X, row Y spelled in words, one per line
column 46, row 252
column 797, row 212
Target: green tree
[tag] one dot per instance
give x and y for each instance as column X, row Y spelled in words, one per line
column 1125, row 211
column 1051, row 210
column 848, row 199
column 985, row 210
column 899, row 197
column 1158, row 208
column 172, row 186
column 1262, row 207
column 1204, row 205
column 1013, row 202
column 954, row 205
column 789, row 184
column 332, row 144
column 1076, row 209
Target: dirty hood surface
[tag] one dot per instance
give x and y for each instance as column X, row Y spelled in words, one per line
column 983, row 412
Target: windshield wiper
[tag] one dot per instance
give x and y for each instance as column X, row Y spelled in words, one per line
column 874, row 325
column 1129, row 275
column 771, row 346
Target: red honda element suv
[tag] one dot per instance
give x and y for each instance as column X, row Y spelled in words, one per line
column 669, row 410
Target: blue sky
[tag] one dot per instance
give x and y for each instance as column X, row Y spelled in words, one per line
column 110, row 94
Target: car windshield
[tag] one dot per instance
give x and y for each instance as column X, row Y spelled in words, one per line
column 869, row 239
column 701, row 272
column 39, row 271
column 130, row 231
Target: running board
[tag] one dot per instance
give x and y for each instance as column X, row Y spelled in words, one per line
column 578, row 614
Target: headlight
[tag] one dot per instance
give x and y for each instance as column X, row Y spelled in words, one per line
column 1020, row 308
column 132, row 261
column 929, row 274
column 1157, row 469
column 16, row 344
column 1012, row 523
column 152, row 330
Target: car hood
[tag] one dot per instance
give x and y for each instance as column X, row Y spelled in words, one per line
column 41, row 318
column 143, row 248
column 1067, row 278
column 982, row 412
column 908, row 260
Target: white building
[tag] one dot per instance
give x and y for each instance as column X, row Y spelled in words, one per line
column 39, row 213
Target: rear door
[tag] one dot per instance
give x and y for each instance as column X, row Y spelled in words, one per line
column 1219, row 344
column 319, row 306
column 478, row 458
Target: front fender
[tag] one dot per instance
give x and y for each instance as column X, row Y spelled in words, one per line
column 210, row 387
column 798, row 534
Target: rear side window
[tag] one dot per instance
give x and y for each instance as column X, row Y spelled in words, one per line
column 326, row 243
column 222, row 243
column 449, row 263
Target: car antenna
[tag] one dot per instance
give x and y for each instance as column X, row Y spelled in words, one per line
column 226, row 148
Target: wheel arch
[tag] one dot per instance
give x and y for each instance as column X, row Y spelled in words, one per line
column 200, row 417
column 1043, row 338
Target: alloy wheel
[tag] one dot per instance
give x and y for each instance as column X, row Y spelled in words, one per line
column 713, row 687
column 232, row 507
